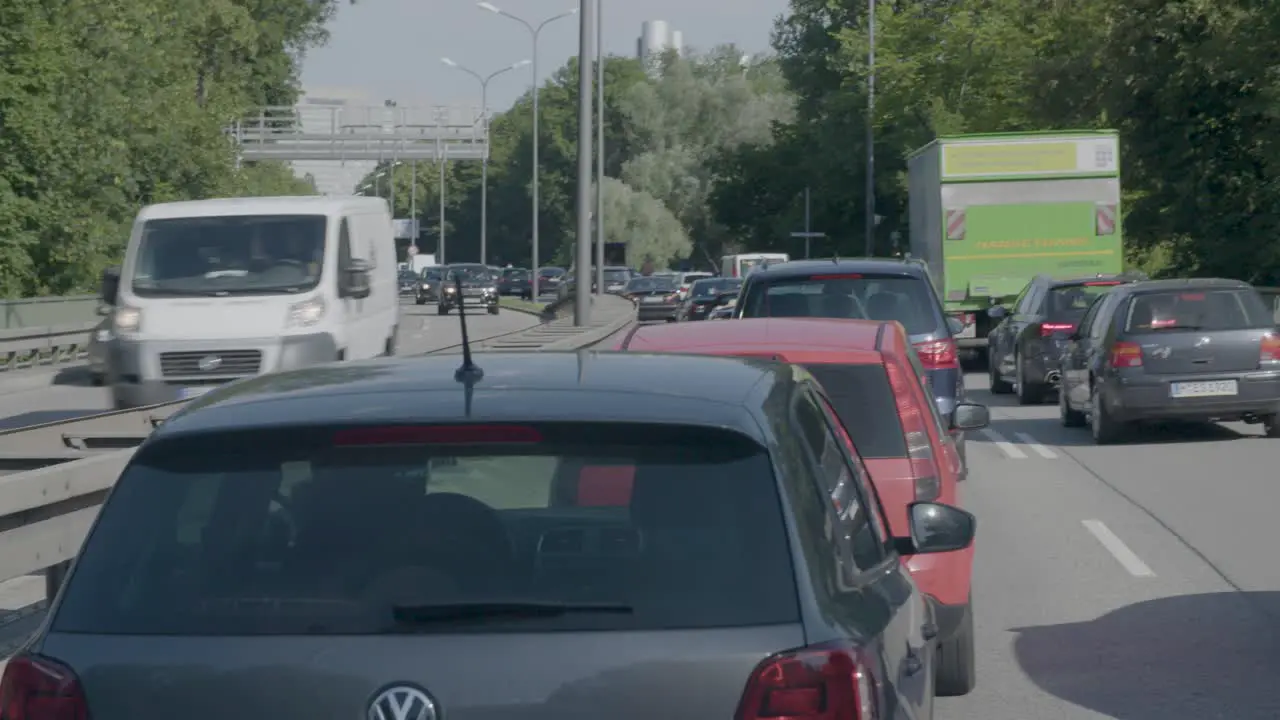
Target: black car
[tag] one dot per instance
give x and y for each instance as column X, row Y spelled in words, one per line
column 1198, row 349
column 690, row 531
column 655, row 298
column 408, row 281
column 515, row 281
column 1023, row 348
column 429, row 285
column 866, row 289
column 706, row 295
column 478, row 288
column 549, row 280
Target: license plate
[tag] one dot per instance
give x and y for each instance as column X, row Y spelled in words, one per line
column 191, row 392
column 1215, row 388
column 652, row 299
column 969, row 332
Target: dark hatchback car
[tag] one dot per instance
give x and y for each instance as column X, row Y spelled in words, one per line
column 516, row 282
column 1023, row 349
column 408, row 281
column 706, row 295
column 672, row 537
column 549, row 280
column 479, row 288
column 657, row 298
column 866, row 289
column 1196, row 350
column 429, row 283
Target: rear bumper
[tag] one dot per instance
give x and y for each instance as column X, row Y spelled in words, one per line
column 450, row 301
column 1133, row 396
column 655, row 312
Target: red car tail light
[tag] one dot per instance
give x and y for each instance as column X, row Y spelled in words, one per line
column 38, row 688
column 823, row 682
column 938, row 354
column 1047, row 329
column 924, row 468
column 1270, row 351
column 1126, row 355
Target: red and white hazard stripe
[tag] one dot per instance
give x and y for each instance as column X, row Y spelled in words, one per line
column 1106, row 219
column 955, row 224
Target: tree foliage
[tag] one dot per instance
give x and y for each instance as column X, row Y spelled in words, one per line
column 112, row 104
column 1190, row 84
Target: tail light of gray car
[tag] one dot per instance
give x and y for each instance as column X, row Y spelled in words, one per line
column 39, row 688
column 1269, row 354
column 1125, row 355
column 924, row 469
column 938, row 354
column 831, row 681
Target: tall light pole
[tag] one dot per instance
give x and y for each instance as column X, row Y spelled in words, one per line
column 484, row 163
column 534, row 32
column 871, row 136
column 599, row 147
column 582, row 294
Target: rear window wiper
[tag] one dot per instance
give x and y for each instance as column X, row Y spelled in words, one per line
column 450, row 612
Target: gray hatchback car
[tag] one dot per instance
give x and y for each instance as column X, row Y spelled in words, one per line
column 572, row 536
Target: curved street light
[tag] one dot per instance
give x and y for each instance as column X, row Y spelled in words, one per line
column 484, row 172
column 535, row 30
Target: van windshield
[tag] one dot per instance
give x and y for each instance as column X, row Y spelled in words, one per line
column 230, row 255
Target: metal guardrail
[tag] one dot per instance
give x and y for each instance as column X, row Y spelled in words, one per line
column 46, row 330
column 55, row 476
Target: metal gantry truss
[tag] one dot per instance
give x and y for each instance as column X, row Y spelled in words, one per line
column 344, row 133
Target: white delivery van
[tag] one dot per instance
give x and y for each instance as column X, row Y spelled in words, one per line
column 217, row 290
column 740, row 266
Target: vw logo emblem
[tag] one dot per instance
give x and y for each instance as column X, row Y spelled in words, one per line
column 209, row 363
column 402, row 702
column 1204, row 341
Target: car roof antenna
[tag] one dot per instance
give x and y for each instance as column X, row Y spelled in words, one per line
column 469, row 372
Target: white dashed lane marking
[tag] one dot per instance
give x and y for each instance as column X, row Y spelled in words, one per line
column 1121, row 552
column 1003, row 443
column 1035, row 446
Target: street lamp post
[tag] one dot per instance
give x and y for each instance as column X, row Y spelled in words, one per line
column 534, row 32
column 484, row 163
column 871, row 136
column 582, row 274
column 599, row 147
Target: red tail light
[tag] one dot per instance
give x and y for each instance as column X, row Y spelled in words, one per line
column 938, row 354
column 438, row 435
column 1126, row 355
column 823, row 682
column 1047, row 329
column 916, row 432
column 37, row 688
column 1270, row 348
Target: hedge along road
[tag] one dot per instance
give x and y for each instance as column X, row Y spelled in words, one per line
column 30, row 397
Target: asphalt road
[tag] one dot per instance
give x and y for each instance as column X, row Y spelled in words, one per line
column 1137, row 581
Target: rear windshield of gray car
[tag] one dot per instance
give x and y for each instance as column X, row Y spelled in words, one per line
column 863, row 400
column 1070, row 302
column 904, row 298
column 327, row 531
column 1197, row 309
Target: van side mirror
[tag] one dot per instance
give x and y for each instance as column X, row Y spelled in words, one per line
column 110, row 290
column 997, row 312
column 936, row 528
column 970, row 416
column 354, row 280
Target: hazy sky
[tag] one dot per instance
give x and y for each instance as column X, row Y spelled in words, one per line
column 392, row 48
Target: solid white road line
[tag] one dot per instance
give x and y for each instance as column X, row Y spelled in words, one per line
column 1003, row 443
column 1114, row 545
column 1035, row 446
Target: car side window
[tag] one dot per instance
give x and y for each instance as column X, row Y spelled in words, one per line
column 1017, row 302
column 344, row 245
column 1031, row 303
column 875, row 509
column 1086, row 322
column 855, row 532
column 1102, row 317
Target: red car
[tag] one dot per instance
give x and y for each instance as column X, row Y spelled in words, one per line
column 879, row 391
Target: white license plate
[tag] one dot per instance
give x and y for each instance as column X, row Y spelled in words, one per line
column 191, row 392
column 969, row 331
column 652, row 299
column 1215, row 388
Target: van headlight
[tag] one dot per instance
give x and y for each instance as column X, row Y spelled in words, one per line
column 306, row 313
column 127, row 319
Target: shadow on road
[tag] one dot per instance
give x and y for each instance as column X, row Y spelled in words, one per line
column 40, row 417
column 1180, row 658
column 1051, row 432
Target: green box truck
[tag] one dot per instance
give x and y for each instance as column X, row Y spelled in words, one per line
column 990, row 212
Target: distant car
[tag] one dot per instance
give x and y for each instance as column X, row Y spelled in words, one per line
column 478, row 289
column 616, row 278
column 687, row 280
column 706, row 295
column 724, row 312
column 655, row 298
column 429, row 285
column 549, row 280
column 515, row 281
column 1198, row 350
column 707, row 547
column 869, row 289
column 408, row 280
column 878, row 390
column 1023, row 348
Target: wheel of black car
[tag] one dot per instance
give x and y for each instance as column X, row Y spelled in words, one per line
column 1271, row 426
column 957, row 661
column 1106, row 430
column 493, row 310
column 998, row 385
column 1070, row 418
column 442, row 310
column 1029, row 393
column 420, row 300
